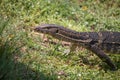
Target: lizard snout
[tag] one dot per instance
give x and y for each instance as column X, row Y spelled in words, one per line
column 38, row 29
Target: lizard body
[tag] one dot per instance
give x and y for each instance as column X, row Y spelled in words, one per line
column 97, row 42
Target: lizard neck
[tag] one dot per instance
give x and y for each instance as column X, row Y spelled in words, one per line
column 70, row 35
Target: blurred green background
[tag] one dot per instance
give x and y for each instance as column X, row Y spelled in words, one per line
column 24, row 55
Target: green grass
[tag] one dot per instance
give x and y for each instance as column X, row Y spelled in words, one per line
column 24, row 55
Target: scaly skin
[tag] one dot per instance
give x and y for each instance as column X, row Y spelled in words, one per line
column 97, row 42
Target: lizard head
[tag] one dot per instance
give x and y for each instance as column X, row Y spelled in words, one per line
column 47, row 29
column 61, row 33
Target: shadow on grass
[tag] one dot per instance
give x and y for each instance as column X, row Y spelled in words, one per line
column 11, row 69
column 10, row 44
column 23, row 72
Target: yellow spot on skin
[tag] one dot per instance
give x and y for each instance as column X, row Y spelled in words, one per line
column 87, row 35
column 113, row 37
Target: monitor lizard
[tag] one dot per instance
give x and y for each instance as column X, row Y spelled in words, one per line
column 97, row 42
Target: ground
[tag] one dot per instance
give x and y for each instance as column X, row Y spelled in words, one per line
column 24, row 55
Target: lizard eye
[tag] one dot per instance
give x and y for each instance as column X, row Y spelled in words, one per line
column 57, row 31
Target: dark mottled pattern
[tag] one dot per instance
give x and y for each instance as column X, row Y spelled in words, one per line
column 107, row 41
column 97, row 42
column 111, row 37
column 110, row 48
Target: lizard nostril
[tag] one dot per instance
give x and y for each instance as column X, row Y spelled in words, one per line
column 37, row 29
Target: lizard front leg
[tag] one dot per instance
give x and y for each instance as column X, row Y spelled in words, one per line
column 102, row 56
